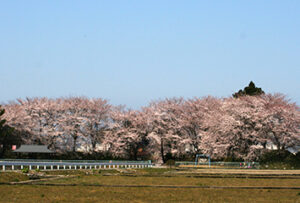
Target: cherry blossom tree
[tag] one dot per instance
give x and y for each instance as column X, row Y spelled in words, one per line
column 128, row 134
column 194, row 119
column 240, row 128
column 79, row 116
column 164, row 124
column 243, row 127
column 280, row 121
column 232, row 129
column 34, row 117
column 44, row 119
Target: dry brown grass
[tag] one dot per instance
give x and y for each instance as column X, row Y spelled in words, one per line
column 12, row 177
column 178, row 180
column 80, row 192
column 241, row 171
column 31, row 193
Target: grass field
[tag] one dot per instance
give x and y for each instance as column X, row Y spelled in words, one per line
column 155, row 185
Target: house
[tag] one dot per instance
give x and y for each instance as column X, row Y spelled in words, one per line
column 34, row 151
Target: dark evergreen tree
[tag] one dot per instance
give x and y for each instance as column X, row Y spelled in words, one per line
column 251, row 90
column 6, row 135
column 2, row 121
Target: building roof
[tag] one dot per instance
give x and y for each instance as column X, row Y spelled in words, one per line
column 294, row 149
column 33, row 149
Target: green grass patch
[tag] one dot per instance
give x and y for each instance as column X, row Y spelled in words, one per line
column 25, row 170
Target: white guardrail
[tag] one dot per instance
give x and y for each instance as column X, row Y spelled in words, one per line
column 70, row 165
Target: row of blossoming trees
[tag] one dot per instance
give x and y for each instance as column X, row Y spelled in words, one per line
column 240, row 128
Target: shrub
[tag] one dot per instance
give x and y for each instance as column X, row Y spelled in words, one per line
column 280, row 159
column 25, row 170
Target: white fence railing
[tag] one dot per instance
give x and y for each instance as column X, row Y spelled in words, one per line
column 65, row 165
column 219, row 164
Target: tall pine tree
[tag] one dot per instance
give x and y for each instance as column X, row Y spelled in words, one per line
column 251, row 90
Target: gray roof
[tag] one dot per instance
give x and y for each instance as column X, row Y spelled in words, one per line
column 294, row 149
column 33, row 149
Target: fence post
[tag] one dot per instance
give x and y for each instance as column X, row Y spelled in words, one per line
column 12, row 167
column 3, row 167
column 45, row 167
column 30, row 168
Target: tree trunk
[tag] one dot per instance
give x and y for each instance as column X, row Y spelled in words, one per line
column 135, row 153
column 74, row 142
column 162, row 150
column 277, row 143
column 264, row 145
column 278, row 146
column 93, row 145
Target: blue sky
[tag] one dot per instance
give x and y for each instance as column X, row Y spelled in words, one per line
column 133, row 52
